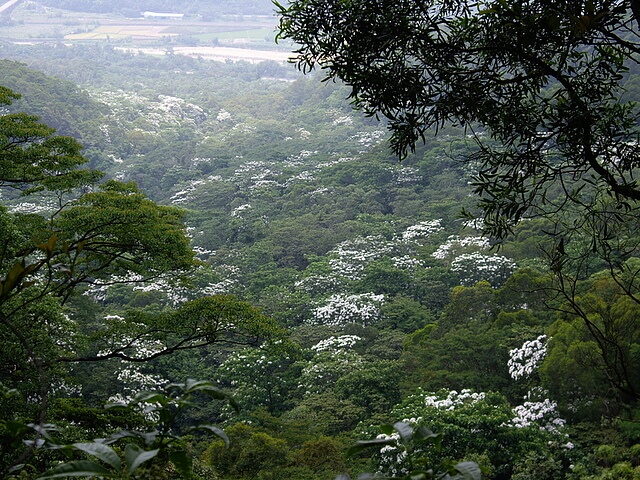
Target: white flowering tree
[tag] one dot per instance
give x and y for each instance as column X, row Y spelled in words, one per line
column 332, row 358
column 260, row 377
column 475, row 267
column 350, row 257
column 340, row 310
column 458, row 245
column 473, row 425
column 98, row 234
column 525, row 360
column 421, row 231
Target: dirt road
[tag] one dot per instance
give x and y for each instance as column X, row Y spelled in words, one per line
column 6, row 7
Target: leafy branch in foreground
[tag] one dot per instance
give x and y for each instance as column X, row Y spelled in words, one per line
column 412, row 442
column 161, row 444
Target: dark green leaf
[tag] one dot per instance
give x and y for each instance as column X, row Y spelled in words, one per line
column 80, row 468
column 405, row 431
column 364, row 444
column 135, row 456
column 217, row 431
column 182, row 462
column 469, row 470
column 150, row 397
column 100, row 451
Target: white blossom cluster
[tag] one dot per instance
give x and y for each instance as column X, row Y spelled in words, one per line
column 407, row 262
column 255, row 376
column 454, row 399
column 326, row 368
column 475, row 267
column 44, row 206
column 304, row 176
column 423, row 229
column 304, row 134
column 104, row 128
column 319, row 191
column 336, row 343
column 183, row 195
column 62, row 388
column 475, row 223
column 406, row 175
column 343, row 120
column 543, row 413
column 299, row 159
column 255, row 175
column 248, row 359
column 369, row 139
column 392, row 457
column 172, row 294
column 223, row 116
column 350, row 257
column 63, row 331
column 319, row 284
column 166, row 111
column 455, row 244
column 175, row 295
column 340, row 310
column 524, row 360
column 202, row 252
column 222, row 287
column 237, row 212
column 139, row 348
column 134, row 381
column 243, row 127
column 99, row 291
column 337, row 161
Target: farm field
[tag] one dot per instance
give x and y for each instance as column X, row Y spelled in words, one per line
column 215, row 39
column 218, row 53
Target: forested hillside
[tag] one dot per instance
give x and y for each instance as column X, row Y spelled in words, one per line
column 254, row 233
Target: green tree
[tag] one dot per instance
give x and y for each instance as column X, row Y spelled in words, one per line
column 475, row 426
column 596, row 343
column 539, row 88
column 542, row 81
column 87, row 236
column 250, row 451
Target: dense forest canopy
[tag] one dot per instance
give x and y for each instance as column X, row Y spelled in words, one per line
column 196, row 230
column 540, row 88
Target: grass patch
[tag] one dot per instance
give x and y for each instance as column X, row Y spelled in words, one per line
column 120, row 31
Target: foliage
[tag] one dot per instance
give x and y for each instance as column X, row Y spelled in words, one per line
column 261, row 377
column 292, row 203
column 412, row 442
column 540, row 81
column 541, row 91
column 474, row 423
column 95, row 235
column 163, row 442
column 249, row 452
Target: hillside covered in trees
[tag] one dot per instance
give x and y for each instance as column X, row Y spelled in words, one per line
column 255, row 282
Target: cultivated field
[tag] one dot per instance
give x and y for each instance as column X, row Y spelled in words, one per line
column 218, row 53
column 108, row 32
column 249, row 38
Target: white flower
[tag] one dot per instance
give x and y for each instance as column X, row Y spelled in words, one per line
column 423, row 229
column 524, row 360
column 542, row 413
column 336, row 343
column 342, row 309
